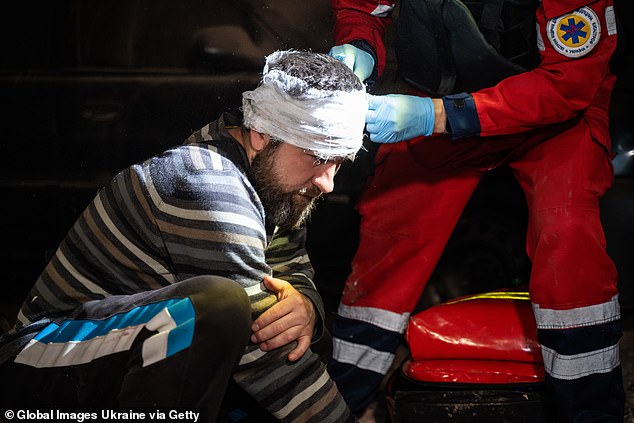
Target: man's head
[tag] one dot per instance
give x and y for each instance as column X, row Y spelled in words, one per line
column 310, row 110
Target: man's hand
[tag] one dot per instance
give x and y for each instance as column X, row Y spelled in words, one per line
column 398, row 117
column 361, row 62
column 292, row 318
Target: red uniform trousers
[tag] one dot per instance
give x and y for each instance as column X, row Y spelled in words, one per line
column 409, row 209
column 412, row 203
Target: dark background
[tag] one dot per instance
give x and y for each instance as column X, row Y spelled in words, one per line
column 90, row 86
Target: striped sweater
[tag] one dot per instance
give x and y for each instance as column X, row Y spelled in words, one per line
column 189, row 211
column 193, row 211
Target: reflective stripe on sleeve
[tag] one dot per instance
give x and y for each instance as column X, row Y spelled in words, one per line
column 382, row 10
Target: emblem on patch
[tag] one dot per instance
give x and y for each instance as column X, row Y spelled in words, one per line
column 574, row 34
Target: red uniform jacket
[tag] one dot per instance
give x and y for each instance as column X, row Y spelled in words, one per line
column 568, row 83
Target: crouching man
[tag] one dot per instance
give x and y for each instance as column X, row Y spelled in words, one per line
column 190, row 268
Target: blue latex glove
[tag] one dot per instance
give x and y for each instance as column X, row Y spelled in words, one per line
column 398, row 117
column 361, row 62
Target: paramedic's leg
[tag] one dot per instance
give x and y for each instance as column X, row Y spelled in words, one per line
column 573, row 283
column 408, row 213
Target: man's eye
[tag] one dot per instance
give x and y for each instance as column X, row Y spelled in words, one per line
column 316, row 160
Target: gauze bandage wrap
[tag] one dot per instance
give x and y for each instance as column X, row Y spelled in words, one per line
column 327, row 123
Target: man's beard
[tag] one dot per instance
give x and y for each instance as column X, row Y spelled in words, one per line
column 287, row 210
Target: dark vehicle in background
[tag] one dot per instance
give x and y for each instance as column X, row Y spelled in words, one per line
column 89, row 87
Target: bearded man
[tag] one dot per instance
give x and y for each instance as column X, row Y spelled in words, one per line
column 190, row 268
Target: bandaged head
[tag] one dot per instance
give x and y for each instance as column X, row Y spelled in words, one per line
column 325, row 115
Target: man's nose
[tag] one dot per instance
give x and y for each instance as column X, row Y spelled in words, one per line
column 325, row 178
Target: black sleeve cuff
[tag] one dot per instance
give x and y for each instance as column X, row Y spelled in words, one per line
column 320, row 315
column 365, row 46
column 462, row 117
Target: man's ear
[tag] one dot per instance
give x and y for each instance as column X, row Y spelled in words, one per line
column 258, row 140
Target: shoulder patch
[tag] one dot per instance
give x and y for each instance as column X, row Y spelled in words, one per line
column 576, row 33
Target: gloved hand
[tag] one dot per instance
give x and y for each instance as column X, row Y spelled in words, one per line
column 361, row 62
column 398, row 117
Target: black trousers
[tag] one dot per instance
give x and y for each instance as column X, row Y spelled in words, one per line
column 189, row 372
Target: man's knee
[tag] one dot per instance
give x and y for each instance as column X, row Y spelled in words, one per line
column 221, row 305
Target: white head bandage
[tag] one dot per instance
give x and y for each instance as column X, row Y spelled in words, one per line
column 328, row 123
